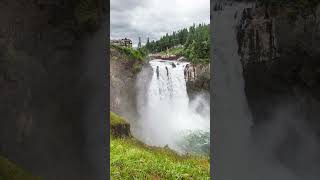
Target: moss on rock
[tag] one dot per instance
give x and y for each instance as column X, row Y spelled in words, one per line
column 118, row 126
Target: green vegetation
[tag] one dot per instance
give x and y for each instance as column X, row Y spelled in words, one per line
column 133, row 54
column 131, row 159
column 118, row 126
column 115, row 119
column 10, row 171
column 193, row 43
column 137, row 56
column 178, row 50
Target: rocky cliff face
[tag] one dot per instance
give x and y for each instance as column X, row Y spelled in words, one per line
column 47, row 85
column 280, row 57
column 197, row 78
column 123, row 84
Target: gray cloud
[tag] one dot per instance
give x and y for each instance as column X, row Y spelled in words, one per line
column 154, row 18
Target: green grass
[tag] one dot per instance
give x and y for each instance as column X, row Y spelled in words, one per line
column 115, row 119
column 131, row 159
column 10, row 171
column 118, row 126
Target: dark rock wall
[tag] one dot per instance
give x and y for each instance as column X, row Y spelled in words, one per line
column 280, row 56
column 46, row 81
column 197, row 78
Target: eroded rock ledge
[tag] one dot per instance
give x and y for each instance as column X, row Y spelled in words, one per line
column 197, row 78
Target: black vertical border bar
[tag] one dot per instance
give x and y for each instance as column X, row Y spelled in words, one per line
column 96, row 115
column 212, row 151
column 107, row 85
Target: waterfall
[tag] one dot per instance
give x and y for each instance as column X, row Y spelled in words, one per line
column 167, row 112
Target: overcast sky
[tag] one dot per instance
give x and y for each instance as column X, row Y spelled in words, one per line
column 154, row 18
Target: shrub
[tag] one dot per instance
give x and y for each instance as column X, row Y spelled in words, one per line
column 132, row 54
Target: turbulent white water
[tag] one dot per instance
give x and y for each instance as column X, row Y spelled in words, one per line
column 167, row 112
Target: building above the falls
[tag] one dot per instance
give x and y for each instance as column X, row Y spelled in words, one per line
column 122, row 42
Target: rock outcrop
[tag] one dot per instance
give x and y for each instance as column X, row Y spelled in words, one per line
column 52, row 94
column 123, row 84
column 197, row 78
column 280, row 55
column 119, row 127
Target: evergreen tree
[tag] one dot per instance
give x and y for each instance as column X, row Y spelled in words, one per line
column 195, row 40
column 139, row 44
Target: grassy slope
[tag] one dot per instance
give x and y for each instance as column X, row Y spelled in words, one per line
column 10, row 171
column 131, row 159
column 115, row 119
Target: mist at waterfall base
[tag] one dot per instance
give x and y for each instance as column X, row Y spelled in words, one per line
column 240, row 154
column 166, row 115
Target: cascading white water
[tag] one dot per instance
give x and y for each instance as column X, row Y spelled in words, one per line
column 167, row 111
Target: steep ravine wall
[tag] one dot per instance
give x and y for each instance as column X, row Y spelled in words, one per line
column 197, row 79
column 52, row 61
column 124, row 85
column 281, row 68
column 280, row 59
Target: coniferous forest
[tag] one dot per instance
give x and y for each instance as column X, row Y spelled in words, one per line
column 192, row 43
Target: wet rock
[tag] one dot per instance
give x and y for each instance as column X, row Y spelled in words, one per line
column 280, row 58
column 157, row 72
column 197, row 78
column 279, row 55
column 182, row 59
column 167, row 71
column 120, row 130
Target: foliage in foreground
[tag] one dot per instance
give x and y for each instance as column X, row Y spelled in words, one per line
column 10, row 171
column 131, row 159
